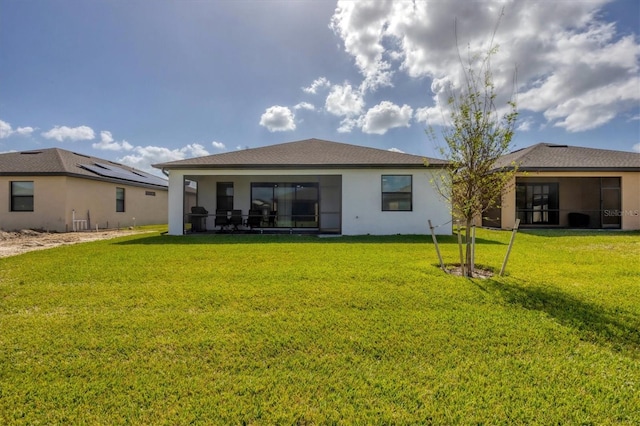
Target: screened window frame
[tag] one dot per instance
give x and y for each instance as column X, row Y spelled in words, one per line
column 14, row 204
column 385, row 195
column 120, row 200
column 532, row 210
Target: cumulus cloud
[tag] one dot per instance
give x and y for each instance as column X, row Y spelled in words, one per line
column 24, row 131
column 343, row 100
column 385, row 116
column 396, row 150
column 6, row 130
column 525, row 125
column 636, row 147
column 318, row 83
column 572, row 67
column 278, row 119
column 305, row 105
column 347, row 124
column 143, row 157
column 62, row 133
column 107, row 143
column 361, row 25
column 218, row 145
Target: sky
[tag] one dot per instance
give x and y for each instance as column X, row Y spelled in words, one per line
column 148, row 81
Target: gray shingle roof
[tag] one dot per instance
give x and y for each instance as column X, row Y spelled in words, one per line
column 308, row 153
column 545, row 156
column 59, row 162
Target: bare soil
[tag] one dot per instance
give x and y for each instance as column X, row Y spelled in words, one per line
column 14, row 243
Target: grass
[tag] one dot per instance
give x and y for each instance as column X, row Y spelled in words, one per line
column 155, row 329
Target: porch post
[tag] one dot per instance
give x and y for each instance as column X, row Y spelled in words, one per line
column 176, row 203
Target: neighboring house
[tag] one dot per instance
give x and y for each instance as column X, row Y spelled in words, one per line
column 313, row 186
column 570, row 187
column 57, row 190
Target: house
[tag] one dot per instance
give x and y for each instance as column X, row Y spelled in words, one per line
column 58, row 190
column 312, row 185
column 565, row 186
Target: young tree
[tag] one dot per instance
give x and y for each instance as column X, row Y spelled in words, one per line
column 476, row 136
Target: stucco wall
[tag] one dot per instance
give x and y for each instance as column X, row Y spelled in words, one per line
column 55, row 198
column 362, row 205
column 49, row 197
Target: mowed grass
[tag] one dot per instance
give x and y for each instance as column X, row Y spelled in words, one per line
column 251, row 329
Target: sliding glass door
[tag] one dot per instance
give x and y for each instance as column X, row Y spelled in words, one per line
column 286, row 205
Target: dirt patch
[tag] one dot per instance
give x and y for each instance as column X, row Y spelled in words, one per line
column 14, row 243
column 478, row 272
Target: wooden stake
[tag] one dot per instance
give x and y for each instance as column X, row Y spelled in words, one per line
column 513, row 237
column 435, row 242
column 473, row 249
column 462, row 266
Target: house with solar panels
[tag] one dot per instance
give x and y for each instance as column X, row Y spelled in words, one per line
column 60, row 191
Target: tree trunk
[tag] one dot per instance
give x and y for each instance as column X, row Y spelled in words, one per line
column 467, row 241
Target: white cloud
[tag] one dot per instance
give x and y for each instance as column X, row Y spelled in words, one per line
column 318, row 83
column 573, row 67
column 524, row 125
column 347, row 125
column 143, row 157
column 305, row 105
column 278, row 119
column 60, row 133
column 6, row 130
column 24, row 131
column 361, row 25
column 636, row 147
column 432, row 116
column 108, row 144
column 218, row 145
column 384, row 116
column 344, row 101
column 396, row 150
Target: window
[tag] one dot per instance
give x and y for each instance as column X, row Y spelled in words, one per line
column 224, row 196
column 537, row 203
column 286, row 204
column 21, row 196
column 397, row 193
column 119, row 199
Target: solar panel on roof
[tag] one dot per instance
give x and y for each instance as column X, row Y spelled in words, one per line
column 115, row 172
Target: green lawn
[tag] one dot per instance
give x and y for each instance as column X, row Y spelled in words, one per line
column 154, row 329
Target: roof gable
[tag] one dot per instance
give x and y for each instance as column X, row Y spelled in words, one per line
column 56, row 161
column 545, row 156
column 308, row 153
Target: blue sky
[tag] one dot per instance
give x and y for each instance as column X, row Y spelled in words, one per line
column 144, row 81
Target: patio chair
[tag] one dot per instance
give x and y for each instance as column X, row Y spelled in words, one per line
column 273, row 218
column 222, row 219
column 236, row 219
column 254, row 219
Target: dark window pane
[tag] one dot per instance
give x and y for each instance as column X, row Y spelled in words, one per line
column 392, row 183
column 120, row 200
column 22, row 196
column 224, row 196
column 396, row 192
column 396, row 202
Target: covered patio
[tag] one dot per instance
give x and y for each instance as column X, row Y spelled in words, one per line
column 263, row 203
